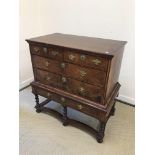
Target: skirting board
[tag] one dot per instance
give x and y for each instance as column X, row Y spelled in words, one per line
column 126, row 99
column 25, row 83
column 122, row 98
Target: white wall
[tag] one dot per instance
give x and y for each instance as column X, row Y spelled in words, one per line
column 96, row 18
column 29, row 21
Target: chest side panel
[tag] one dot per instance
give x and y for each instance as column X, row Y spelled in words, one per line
column 114, row 70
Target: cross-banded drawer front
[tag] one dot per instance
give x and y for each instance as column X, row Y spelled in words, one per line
column 84, row 74
column 39, row 50
column 81, row 89
column 86, row 60
column 51, row 52
column 56, row 53
column 47, row 78
column 46, row 64
column 47, row 94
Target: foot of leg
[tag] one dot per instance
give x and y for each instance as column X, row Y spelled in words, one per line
column 38, row 109
column 100, row 134
column 112, row 113
column 64, row 118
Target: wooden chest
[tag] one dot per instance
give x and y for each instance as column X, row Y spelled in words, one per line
column 77, row 72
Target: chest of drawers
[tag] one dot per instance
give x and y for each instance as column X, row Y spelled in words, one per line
column 77, row 72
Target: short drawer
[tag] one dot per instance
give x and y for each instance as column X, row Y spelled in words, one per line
column 79, row 106
column 82, row 89
column 39, row 50
column 46, row 64
column 47, row 78
column 51, row 52
column 68, row 102
column 86, row 60
column 48, row 95
column 84, row 74
column 55, row 53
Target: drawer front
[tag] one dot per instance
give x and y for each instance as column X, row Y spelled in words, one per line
column 80, row 107
column 86, row 60
column 81, row 89
column 47, row 78
column 46, row 64
column 52, row 52
column 48, row 95
column 56, row 53
column 91, row 76
column 39, row 50
column 68, row 102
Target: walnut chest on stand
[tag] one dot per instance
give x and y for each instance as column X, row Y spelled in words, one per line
column 77, row 72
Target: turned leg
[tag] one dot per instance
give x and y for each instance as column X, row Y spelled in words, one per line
column 112, row 113
column 37, row 104
column 64, row 118
column 100, row 133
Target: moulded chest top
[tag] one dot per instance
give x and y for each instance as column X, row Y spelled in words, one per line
column 98, row 45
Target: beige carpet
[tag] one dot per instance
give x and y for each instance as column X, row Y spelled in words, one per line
column 42, row 134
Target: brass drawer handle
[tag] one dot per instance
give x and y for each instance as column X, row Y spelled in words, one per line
column 48, row 78
column 80, row 106
column 54, row 53
column 47, row 63
column 83, row 73
column 49, row 95
column 71, row 57
column 63, row 65
column 82, row 90
column 45, row 49
column 82, row 57
column 63, row 100
column 36, row 49
column 64, row 80
column 96, row 61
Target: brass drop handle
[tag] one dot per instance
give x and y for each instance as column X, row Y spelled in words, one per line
column 63, row 100
column 45, row 49
column 96, row 61
column 47, row 63
column 63, row 65
column 83, row 73
column 64, row 80
column 48, row 94
column 48, row 78
column 80, row 106
column 82, row 90
column 54, row 53
column 82, row 57
column 71, row 57
column 36, row 49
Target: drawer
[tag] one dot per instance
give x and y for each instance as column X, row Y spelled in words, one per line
column 86, row 60
column 55, row 53
column 39, row 50
column 46, row 64
column 79, row 106
column 81, row 89
column 52, row 52
column 47, row 78
column 84, row 74
column 68, row 102
column 48, row 95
